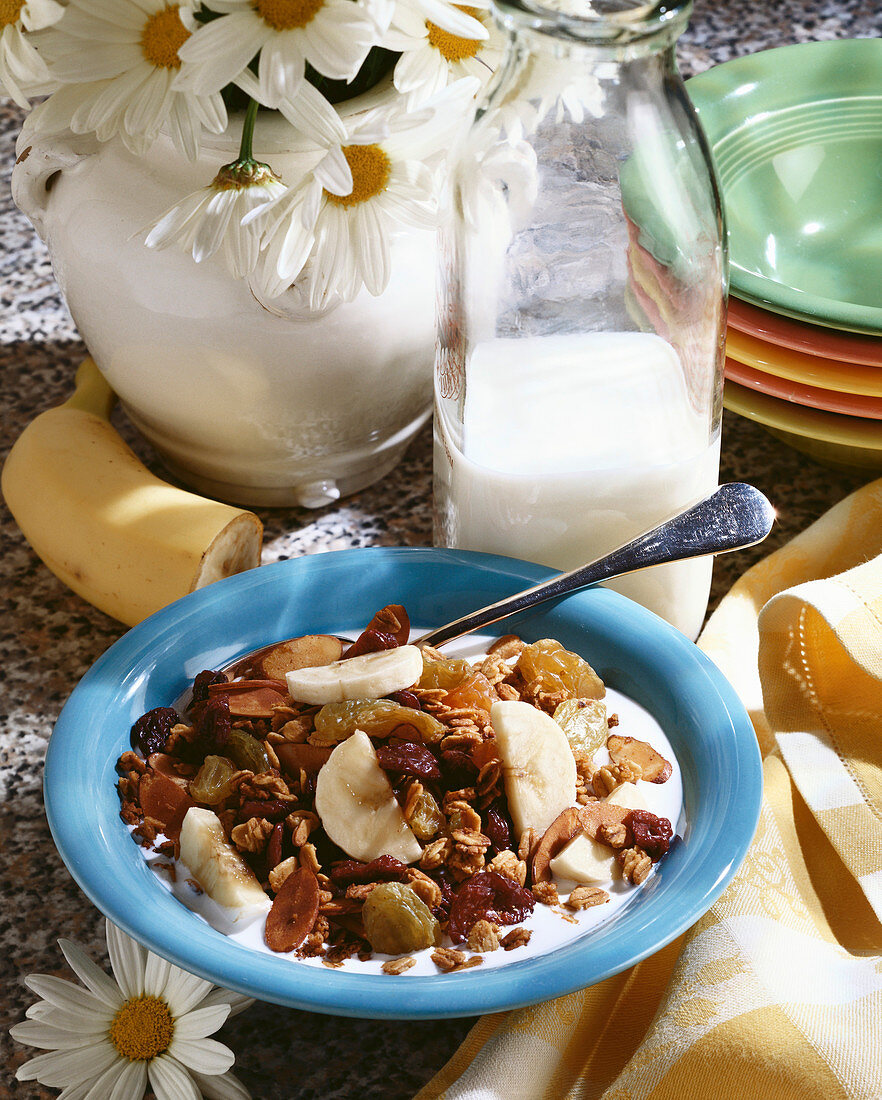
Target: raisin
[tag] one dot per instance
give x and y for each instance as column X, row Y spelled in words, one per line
column 247, row 752
column 487, row 896
column 213, row 722
column 375, row 717
column 397, row 921
column 408, row 758
column 382, row 869
column 553, row 668
column 652, row 834
column 150, row 732
column 212, row 782
column 474, row 692
column 458, row 769
column 405, row 698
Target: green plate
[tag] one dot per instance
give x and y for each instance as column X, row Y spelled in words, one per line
column 796, row 136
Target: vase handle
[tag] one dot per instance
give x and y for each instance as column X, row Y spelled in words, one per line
column 39, row 160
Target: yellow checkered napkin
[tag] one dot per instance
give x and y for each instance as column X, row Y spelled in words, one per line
column 776, row 993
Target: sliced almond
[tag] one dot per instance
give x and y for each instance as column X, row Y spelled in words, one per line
column 165, row 799
column 294, row 911
column 556, row 837
column 595, row 814
column 310, row 651
column 292, row 757
column 653, row 766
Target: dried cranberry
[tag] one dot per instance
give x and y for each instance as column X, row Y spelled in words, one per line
column 200, row 684
column 371, row 641
column 408, row 758
column 390, row 627
column 652, row 834
column 405, row 698
column 274, row 809
column 381, row 869
column 274, row 847
column 487, row 896
column 448, row 889
column 497, row 826
column 150, row 732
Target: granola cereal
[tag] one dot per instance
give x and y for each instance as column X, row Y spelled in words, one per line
column 454, row 871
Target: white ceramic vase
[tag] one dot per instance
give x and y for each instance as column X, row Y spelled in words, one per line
column 262, row 404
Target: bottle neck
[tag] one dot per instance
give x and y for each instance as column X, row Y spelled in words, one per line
column 611, row 30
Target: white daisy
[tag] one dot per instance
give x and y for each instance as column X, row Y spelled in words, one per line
column 449, row 16
column 332, row 229
column 109, row 1040
column 210, row 219
column 432, row 57
column 119, row 60
column 334, row 36
column 22, row 70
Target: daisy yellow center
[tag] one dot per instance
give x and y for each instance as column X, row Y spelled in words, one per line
column 288, row 15
column 370, row 169
column 451, row 46
column 142, row 1029
column 162, row 37
column 10, row 11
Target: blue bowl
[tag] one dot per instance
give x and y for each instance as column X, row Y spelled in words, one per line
column 631, row 649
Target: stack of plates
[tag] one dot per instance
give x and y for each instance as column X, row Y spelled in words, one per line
column 796, row 137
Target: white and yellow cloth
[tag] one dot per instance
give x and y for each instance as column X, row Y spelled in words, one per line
column 776, row 993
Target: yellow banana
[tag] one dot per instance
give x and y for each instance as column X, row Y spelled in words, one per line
column 120, row 537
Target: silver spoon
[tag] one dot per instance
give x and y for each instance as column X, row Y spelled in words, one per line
column 731, row 518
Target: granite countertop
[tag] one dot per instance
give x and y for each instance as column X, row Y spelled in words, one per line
column 49, row 637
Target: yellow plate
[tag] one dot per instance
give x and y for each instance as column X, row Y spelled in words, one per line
column 829, row 437
column 797, row 366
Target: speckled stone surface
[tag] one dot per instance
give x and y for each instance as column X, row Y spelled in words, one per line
column 49, row 638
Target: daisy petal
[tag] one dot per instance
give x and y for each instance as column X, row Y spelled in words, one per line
column 218, row 52
column 206, row 1055
column 104, row 1086
column 333, row 172
column 372, row 246
column 69, row 1067
column 127, row 959
column 66, row 995
column 238, row 1002
column 170, row 1081
column 201, row 1022
column 184, row 991
column 130, row 1084
column 156, row 973
column 223, row 1086
column 91, row 975
column 453, row 20
column 39, row 1033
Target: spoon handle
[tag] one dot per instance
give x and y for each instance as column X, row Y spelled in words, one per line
column 732, row 517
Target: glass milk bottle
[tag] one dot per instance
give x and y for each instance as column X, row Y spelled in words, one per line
column 578, row 375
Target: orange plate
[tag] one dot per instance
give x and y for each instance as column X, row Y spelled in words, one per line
column 796, row 366
column 812, row 339
column 851, row 404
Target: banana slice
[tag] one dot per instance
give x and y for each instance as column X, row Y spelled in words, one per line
column 584, row 860
column 357, row 807
column 369, row 676
column 219, row 869
column 537, row 763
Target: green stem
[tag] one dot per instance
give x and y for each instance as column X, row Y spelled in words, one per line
column 248, row 131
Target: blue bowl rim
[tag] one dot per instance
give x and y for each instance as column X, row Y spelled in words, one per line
column 91, row 838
